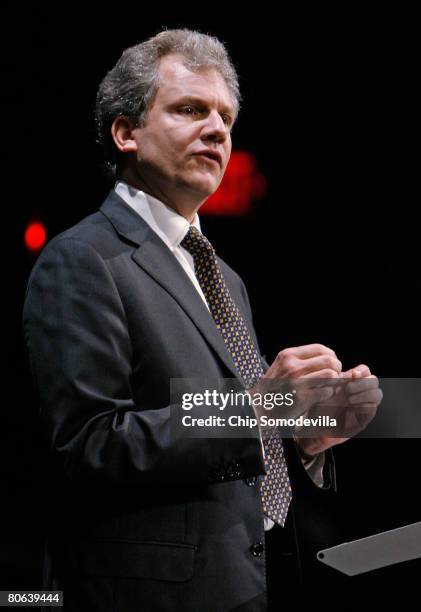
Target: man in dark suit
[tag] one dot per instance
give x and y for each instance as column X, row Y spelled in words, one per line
column 144, row 517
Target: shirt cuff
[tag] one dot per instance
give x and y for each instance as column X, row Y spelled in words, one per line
column 313, row 464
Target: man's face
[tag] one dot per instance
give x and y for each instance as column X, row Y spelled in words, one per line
column 192, row 113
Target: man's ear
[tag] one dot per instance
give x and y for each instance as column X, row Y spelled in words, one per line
column 122, row 133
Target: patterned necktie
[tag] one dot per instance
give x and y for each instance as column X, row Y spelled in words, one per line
column 275, row 487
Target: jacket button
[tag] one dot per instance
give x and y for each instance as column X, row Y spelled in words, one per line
column 251, row 481
column 257, row 549
column 234, row 470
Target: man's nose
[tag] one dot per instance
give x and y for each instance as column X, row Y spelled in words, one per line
column 214, row 129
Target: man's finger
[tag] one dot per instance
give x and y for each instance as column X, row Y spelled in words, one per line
column 310, row 350
column 373, row 396
column 360, row 371
column 320, row 394
column 362, row 384
column 317, row 364
column 321, row 374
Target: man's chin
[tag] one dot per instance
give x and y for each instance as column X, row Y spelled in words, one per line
column 204, row 187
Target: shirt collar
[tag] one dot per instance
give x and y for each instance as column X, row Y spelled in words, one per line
column 165, row 221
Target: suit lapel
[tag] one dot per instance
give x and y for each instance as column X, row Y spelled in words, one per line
column 154, row 257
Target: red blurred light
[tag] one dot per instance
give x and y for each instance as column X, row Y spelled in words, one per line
column 35, row 236
column 242, row 183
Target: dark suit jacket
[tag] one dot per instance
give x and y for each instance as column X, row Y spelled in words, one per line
column 142, row 517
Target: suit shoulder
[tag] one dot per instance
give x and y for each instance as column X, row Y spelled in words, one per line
column 94, row 230
column 92, row 235
column 86, row 242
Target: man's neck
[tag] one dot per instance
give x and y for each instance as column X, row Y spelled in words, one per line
column 185, row 206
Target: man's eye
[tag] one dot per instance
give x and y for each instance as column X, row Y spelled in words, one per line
column 188, row 110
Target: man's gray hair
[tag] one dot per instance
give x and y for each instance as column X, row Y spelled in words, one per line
column 130, row 87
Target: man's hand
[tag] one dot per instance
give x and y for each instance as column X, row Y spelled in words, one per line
column 310, row 360
column 354, row 405
column 300, row 365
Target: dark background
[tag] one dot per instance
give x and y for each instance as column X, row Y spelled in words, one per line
column 328, row 254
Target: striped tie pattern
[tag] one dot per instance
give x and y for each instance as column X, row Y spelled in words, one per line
column 275, row 487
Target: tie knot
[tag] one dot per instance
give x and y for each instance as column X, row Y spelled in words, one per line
column 196, row 243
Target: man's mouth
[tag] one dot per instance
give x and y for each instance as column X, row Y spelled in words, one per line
column 212, row 156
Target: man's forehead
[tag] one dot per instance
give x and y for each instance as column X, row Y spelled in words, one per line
column 176, row 80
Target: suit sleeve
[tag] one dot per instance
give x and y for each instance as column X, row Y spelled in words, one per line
column 80, row 354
